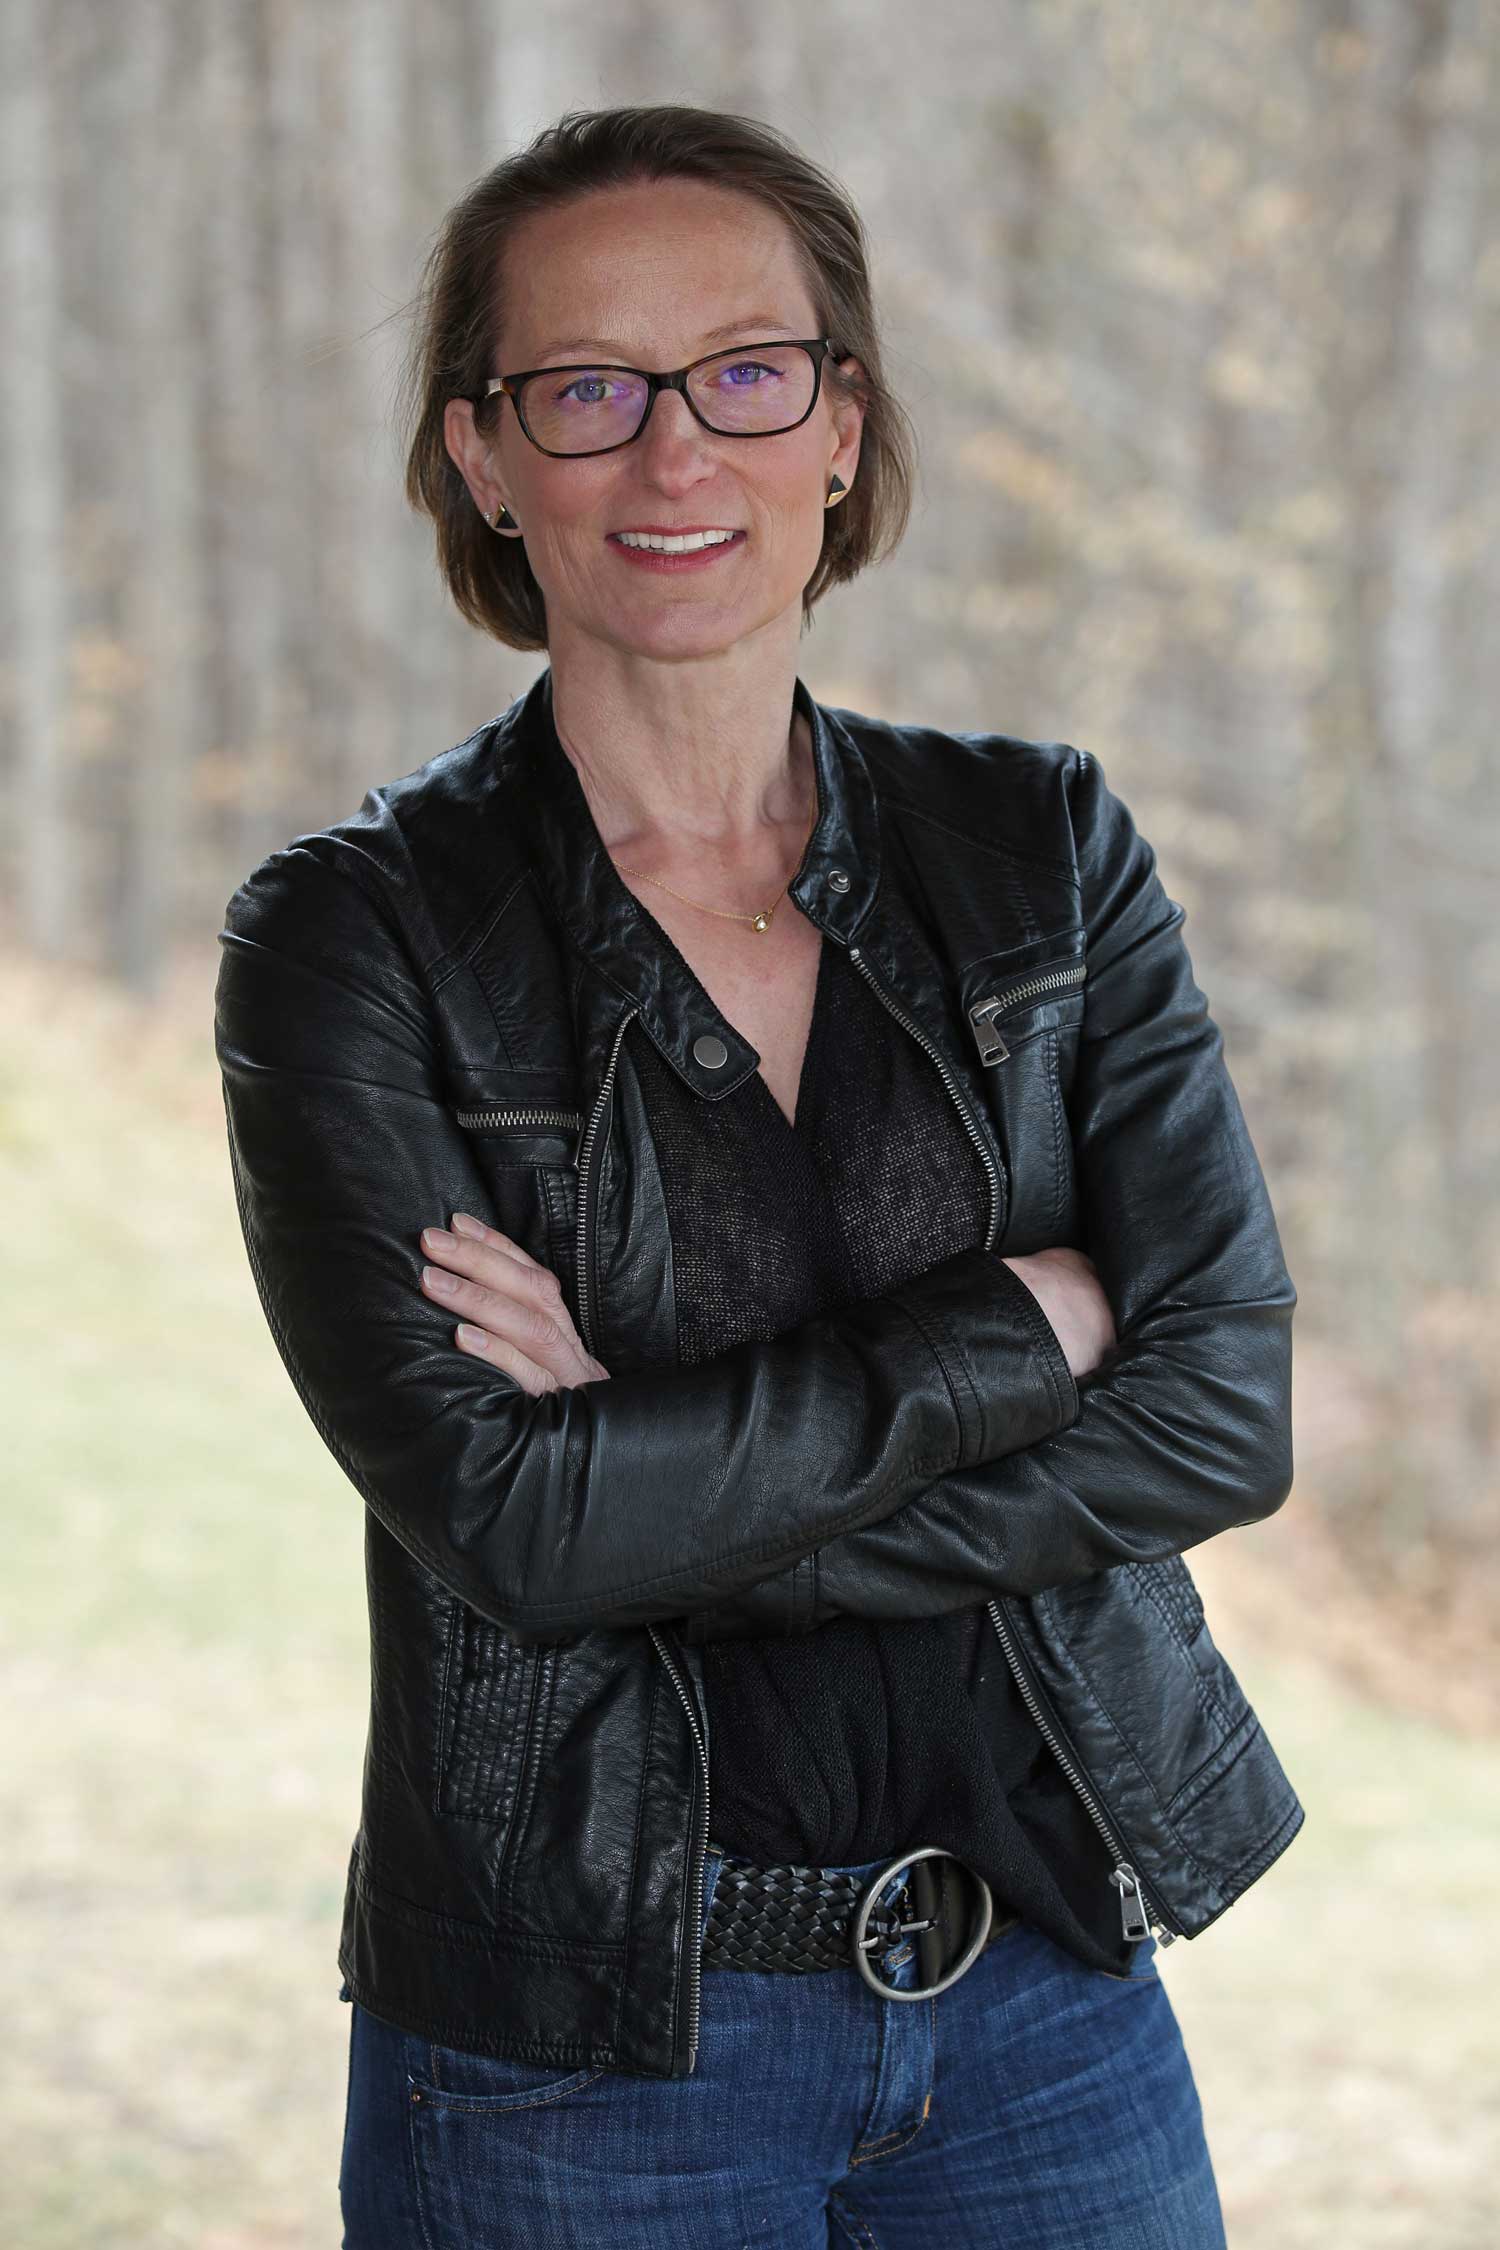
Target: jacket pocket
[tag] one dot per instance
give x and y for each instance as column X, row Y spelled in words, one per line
column 1171, row 1592
column 524, row 1128
column 1170, row 1585
column 490, row 1685
column 1024, row 1008
column 518, row 1119
column 1012, row 997
column 523, row 1135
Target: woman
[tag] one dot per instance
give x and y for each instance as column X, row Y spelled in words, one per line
column 629, row 1110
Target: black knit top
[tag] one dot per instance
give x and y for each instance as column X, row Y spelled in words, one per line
column 859, row 1740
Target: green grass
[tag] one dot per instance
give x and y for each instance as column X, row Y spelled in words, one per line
column 185, row 1667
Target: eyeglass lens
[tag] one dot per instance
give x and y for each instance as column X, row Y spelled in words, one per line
column 581, row 410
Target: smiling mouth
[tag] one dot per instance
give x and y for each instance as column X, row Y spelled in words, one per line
column 675, row 543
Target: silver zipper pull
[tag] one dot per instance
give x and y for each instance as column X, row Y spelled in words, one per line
column 992, row 1047
column 1134, row 1921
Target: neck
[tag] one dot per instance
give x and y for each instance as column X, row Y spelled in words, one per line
column 700, row 763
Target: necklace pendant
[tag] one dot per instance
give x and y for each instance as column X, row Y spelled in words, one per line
column 761, row 922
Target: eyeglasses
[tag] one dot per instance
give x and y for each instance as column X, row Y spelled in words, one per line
column 756, row 390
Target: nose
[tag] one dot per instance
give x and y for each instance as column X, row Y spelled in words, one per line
column 673, row 435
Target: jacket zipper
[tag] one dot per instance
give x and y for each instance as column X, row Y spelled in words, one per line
column 992, row 1048
column 1134, row 1915
column 964, row 1111
column 1136, row 1902
column 505, row 1120
column 585, row 1330
column 699, row 1850
column 585, row 1156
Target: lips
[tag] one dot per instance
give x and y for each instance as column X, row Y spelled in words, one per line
column 670, row 530
column 729, row 533
column 680, row 561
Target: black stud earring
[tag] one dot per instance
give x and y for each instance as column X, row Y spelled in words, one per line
column 836, row 492
column 502, row 519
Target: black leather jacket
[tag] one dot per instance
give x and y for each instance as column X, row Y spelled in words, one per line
column 422, row 1009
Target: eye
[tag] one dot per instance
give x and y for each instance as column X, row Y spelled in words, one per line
column 586, row 390
column 747, row 367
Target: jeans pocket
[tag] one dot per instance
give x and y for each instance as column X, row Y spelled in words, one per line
column 485, row 2131
column 449, row 2080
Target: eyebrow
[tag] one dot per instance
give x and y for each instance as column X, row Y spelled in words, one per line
column 764, row 324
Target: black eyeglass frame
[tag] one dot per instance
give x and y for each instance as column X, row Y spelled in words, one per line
column 818, row 349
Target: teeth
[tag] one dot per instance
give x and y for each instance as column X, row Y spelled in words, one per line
column 684, row 546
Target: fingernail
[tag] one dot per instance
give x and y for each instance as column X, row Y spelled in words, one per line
column 463, row 1224
column 435, row 1278
column 473, row 1338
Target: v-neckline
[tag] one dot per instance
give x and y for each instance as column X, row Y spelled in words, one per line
column 794, row 1124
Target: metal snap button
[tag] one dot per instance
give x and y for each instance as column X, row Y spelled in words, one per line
column 837, row 879
column 710, row 1050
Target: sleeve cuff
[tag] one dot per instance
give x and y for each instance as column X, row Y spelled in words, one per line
column 1054, row 1358
column 1008, row 1374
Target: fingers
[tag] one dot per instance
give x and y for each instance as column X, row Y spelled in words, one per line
column 474, row 1230
column 510, row 1306
column 485, row 1256
column 480, row 1344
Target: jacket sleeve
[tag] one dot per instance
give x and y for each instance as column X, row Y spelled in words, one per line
column 613, row 1502
column 1184, row 1429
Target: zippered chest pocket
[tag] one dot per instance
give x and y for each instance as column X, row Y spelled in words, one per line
column 1021, row 1002
column 1024, row 1010
column 523, row 1128
column 524, row 1135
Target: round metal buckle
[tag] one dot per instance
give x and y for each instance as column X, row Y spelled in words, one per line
column 926, row 1927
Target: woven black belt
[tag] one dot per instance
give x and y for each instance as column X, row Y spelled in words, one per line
column 797, row 1919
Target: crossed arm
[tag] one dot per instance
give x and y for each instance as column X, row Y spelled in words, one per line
column 903, row 1456
column 1184, row 1427
column 610, row 1502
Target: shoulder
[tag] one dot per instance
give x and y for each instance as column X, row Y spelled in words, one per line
column 1003, row 792
column 412, row 847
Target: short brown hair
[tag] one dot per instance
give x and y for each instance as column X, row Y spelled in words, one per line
column 457, row 317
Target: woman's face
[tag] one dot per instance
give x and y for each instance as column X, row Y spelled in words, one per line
column 648, row 275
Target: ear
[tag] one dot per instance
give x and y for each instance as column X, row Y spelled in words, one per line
column 472, row 455
column 848, row 417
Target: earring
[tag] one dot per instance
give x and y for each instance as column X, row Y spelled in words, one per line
column 836, row 492
column 502, row 519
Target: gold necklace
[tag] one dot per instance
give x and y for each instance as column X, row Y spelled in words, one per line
column 760, row 921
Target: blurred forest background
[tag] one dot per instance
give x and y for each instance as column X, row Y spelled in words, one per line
column 1197, row 312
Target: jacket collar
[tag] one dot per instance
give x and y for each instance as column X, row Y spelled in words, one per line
column 834, row 885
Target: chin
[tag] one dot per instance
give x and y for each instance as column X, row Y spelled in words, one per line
column 693, row 631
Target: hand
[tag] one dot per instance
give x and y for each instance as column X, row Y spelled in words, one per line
column 512, row 1306
column 1067, row 1287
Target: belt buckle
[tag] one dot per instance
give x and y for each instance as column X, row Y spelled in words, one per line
column 927, row 1927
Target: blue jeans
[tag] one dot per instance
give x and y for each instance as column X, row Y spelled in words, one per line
column 1035, row 2105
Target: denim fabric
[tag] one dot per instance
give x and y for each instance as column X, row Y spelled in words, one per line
column 1037, row 2104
